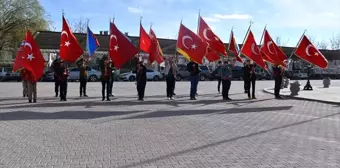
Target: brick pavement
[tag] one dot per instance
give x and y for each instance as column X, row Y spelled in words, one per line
column 157, row 133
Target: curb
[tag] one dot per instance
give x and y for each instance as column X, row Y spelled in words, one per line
column 301, row 98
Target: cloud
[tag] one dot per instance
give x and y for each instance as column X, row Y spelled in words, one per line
column 211, row 19
column 134, row 10
column 233, row 16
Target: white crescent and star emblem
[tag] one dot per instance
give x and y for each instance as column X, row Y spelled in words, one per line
column 268, row 46
column 253, row 49
column 307, row 50
column 67, row 43
column 115, row 37
column 193, row 46
column 29, row 56
column 205, row 33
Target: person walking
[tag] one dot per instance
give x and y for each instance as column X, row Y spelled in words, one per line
column 170, row 76
column 64, row 73
column 23, row 74
column 194, row 71
column 277, row 73
column 141, row 80
column 226, row 74
column 219, row 79
column 250, row 78
column 55, row 68
column 112, row 78
column 83, row 79
column 32, row 87
column 105, row 79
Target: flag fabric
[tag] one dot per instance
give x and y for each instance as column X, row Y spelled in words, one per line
column 271, row 52
column 212, row 55
column 252, row 51
column 308, row 52
column 30, row 57
column 121, row 50
column 209, row 36
column 155, row 53
column 190, row 45
column 233, row 47
column 70, row 50
column 91, row 42
column 144, row 40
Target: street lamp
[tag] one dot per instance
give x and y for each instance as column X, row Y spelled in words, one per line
column 308, row 86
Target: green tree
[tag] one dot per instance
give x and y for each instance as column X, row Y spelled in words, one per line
column 16, row 16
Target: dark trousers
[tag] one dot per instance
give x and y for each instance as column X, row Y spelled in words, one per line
column 56, row 85
column 225, row 88
column 246, row 85
column 173, row 91
column 63, row 90
column 251, row 83
column 82, row 86
column 111, row 86
column 105, row 85
column 278, row 81
column 219, row 84
column 194, row 83
column 170, row 85
column 141, row 88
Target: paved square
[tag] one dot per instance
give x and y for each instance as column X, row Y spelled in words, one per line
column 157, row 133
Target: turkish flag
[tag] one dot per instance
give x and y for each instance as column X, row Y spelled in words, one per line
column 271, row 52
column 308, row 52
column 212, row 55
column 233, row 47
column 209, row 36
column 121, row 50
column 252, row 51
column 30, row 57
column 70, row 50
column 155, row 53
column 144, row 40
column 191, row 45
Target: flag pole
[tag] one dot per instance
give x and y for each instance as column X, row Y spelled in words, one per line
column 140, row 23
column 265, row 27
column 231, row 33
column 250, row 23
column 297, row 44
column 198, row 22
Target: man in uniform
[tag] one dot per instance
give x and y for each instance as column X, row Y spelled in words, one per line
column 63, row 72
column 83, row 79
column 55, row 67
column 277, row 73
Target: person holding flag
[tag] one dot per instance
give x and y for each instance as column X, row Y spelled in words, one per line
column 83, row 78
column 31, row 87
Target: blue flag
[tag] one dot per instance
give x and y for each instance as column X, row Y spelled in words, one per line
column 91, row 43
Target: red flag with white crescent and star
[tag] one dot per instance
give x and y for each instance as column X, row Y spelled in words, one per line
column 308, row 52
column 156, row 53
column 233, row 47
column 190, row 45
column 270, row 51
column 70, row 50
column 144, row 40
column 252, row 51
column 30, row 57
column 212, row 55
column 121, row 50
column 209, row 36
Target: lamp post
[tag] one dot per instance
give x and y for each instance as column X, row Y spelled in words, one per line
column 308, row 86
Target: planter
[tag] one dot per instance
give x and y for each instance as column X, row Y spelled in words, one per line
column 294, row 88
column 286, row 82
column 326, row 82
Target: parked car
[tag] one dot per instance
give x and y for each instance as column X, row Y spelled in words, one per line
column 183, row 73
column 6, row 74
column 237, row 73
column 92, row 74
column 150, row 75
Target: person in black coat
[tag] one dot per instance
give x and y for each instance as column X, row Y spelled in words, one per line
column 245, row 76
column 55, row 68
column 277, row 73
column 250, row 78
column 141, row 80
column 194, row 71
column 105, row 78
column 63, row 74
column 83, row 79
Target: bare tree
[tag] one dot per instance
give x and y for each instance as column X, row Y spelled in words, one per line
column 322, row 45
column 17, row 16
column 335, row 42
column 80, row 25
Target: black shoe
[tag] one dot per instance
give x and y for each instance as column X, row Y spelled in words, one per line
column 278, row 97
column 108, row 99
column 254, row 97
column 86, row 96
column 35, row 100
column 65, row 99
column 56, row 95
column 81, row 95
column 193, row 98
column 103, row 98
column 29, row 101
column 174, row 94
column 112, row 95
